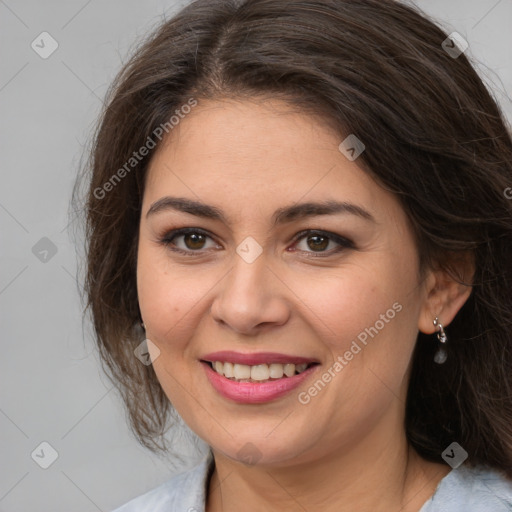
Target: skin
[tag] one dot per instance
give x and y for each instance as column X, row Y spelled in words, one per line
column 346, row 449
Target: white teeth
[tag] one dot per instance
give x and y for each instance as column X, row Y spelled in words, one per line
column 219, row 367
column 228, row 370
column 276, row 371
column 289, row 370
column 241, row 371
column 258, row 372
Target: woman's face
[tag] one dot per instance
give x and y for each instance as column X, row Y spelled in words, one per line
column 344, row 294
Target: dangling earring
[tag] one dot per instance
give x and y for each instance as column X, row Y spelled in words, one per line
column 441, row 355
column 142, row 325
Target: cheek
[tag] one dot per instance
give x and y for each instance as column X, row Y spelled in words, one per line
column 343, row 304
column 170, row 298
column 367, row 314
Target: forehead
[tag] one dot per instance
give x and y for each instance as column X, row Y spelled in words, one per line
column 243, row 155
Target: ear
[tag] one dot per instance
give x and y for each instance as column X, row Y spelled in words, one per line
column 446, row 291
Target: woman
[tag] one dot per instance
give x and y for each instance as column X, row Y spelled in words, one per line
column 299, row 235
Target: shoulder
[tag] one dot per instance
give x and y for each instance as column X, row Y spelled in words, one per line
column 186, row 491
column 472, row 489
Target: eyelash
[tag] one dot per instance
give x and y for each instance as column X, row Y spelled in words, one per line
column 344, row 243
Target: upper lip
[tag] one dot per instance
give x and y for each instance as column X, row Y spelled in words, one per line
column 255, row 358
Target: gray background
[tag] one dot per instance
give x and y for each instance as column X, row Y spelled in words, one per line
column 52, row 386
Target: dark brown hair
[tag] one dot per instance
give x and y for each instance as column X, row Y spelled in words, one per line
column 434, row 136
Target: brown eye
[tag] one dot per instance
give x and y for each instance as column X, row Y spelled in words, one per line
column 322, row 243
column 194, row 240
column 317, row 242
column 189, row 241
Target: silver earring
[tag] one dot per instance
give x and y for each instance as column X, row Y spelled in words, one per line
column 441, row 355
column 143, row 325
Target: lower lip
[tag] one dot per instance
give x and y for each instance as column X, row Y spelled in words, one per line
column 254, row 392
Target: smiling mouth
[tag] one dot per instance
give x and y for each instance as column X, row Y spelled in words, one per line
column 258, row 373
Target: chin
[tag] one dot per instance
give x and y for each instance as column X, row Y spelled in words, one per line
column 251, row 451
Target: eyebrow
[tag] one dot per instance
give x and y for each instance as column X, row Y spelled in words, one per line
column 280, row 216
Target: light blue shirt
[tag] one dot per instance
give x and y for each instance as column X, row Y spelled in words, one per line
column 464, row 489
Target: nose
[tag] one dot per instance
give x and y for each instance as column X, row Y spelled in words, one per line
column 251, row 298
